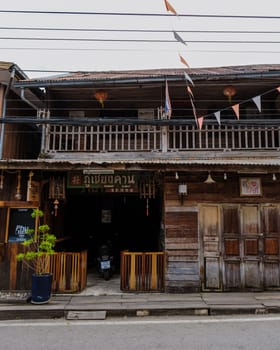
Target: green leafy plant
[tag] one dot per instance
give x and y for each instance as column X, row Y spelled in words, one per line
column 38, row 247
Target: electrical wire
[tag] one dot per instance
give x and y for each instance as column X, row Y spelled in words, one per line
column 140, row 30
column 144, row 40
column 136, row 14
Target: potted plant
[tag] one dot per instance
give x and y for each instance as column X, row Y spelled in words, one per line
column 35, row 256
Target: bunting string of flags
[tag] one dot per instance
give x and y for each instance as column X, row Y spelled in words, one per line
column 199, row 120
column 177, row 37
column 236, row 107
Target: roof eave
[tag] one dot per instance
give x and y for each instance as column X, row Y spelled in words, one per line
column 148, row 79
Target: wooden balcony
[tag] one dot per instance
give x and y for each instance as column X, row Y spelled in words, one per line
column 163, row 138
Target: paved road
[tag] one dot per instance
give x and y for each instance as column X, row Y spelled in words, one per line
column 223, row 333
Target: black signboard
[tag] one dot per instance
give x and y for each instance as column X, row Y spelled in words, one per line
column 19, row 221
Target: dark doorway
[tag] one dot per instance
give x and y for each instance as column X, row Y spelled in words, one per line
column 124, row 220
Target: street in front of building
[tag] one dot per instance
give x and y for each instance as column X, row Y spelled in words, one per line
column 240, row 332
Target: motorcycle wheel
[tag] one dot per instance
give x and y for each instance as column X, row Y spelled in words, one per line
column 106, row 275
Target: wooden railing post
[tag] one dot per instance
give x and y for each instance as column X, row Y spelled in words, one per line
column 132, row 275
column 154, row 272
column 164, row 138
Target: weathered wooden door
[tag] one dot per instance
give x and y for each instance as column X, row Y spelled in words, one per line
column 209, row 219
column 231, row 247
column 250, row 247
column 270, row 246
column 240, row 246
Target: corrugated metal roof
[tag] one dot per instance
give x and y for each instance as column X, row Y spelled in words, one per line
column 153, row 74
column 265, row 159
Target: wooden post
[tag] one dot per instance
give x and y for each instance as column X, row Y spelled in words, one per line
column 132, row 279
column 154, row 271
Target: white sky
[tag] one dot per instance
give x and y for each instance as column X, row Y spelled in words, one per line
column 90, row 56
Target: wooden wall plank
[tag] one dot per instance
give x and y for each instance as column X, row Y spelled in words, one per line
column 181, row 244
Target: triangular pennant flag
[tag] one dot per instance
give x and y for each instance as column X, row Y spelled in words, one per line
column 190, row 92
column 218, row 117
column 257, row 101
column 170, row 8
column 200, row 122
column 278, row 89
column 178, row 38
column 194, row 111
column 188, row 78
column 184, row 61
column 236, row 110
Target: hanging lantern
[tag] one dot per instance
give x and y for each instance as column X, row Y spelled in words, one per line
column 18, row 189
column 55, row 206
column 229, row 91
column 101, row 96
column 2, row 180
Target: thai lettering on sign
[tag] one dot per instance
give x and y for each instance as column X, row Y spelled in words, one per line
column 102, row 180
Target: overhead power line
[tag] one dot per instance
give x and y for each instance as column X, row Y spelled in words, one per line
column 25, row 48
column 143, row 40
column 141, row 30
column 135, row 14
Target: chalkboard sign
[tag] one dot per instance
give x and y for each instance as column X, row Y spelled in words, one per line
column 19, row 221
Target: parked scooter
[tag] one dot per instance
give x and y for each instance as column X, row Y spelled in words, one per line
column 105, row 262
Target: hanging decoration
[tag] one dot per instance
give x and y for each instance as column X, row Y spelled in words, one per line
column 57, row 188
column 229, row 91
column 147, row 207
column 170, row 8
column 33, row 189
column 189, row 90
column 101, row 96
column 167, row 107
column 218, row 117
column 55, row 206
column 29, row 184
column 147, row 190
column 178, row 38
column 188, row 78
column 257, row 101
column 184, row 61
column 2, row 180
column 236, row 110
column 200, row 122
column 147, row 187
column 56, row 191
column 194, row 110
column 18, row 188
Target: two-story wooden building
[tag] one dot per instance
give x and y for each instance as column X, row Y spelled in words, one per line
column 189, row 203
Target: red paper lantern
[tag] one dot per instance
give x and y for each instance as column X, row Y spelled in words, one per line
column 101, row 96
column 229, row 91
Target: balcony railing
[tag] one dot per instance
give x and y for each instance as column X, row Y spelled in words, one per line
column 141, row 138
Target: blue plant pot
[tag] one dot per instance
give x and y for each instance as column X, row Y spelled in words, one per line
column 41, row 288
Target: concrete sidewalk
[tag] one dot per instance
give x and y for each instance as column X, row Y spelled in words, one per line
column 135, row 304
